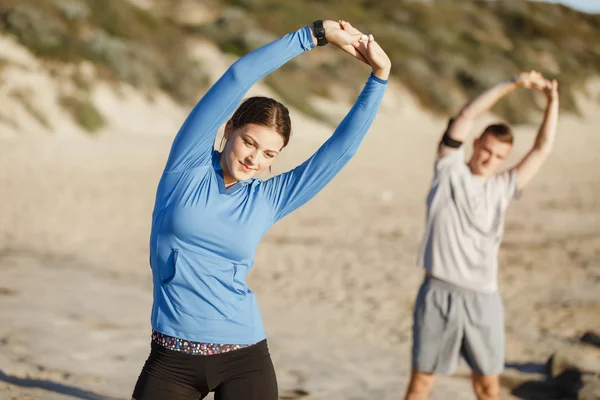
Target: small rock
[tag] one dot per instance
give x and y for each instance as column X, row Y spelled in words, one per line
column 591, row 338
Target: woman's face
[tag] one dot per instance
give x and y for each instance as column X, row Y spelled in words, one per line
column 249, row 151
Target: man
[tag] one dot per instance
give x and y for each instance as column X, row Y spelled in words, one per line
column 458, row 310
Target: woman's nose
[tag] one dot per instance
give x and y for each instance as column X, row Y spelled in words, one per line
column 253, row 157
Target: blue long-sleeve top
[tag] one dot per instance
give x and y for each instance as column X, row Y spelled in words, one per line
column 204, row 235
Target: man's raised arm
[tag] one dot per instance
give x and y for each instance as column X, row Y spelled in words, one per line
column 460, row 126
column 544, row 141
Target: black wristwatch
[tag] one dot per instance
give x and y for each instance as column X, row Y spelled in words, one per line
column 320, row 33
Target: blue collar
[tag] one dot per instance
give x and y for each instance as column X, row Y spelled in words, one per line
column 216, row 162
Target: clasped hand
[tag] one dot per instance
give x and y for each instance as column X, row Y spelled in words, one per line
column 535, row 80
column 362, row 47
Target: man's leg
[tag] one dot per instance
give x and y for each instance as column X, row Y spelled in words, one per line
column 437, row 337
column 486, row 387
column 483, row 344
column 420, row 386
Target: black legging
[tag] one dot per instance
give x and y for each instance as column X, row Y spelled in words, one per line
column 246, row 374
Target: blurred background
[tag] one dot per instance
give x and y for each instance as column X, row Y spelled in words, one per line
column 92, row 93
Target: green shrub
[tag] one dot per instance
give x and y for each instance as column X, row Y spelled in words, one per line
column 445, row 52
column 129, row 44
column 42, row 32
column 84, row 113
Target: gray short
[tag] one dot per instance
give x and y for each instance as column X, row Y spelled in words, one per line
column 450, row 321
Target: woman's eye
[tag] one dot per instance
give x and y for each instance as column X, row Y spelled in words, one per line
column 270, row 155
column 247, row 143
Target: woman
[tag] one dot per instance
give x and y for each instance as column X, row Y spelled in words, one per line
column 210, row 214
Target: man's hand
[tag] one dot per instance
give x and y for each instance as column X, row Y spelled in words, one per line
column 551, row 90
column 535, row 80
column 529, row 80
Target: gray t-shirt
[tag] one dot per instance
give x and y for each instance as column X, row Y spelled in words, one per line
column 465, row 222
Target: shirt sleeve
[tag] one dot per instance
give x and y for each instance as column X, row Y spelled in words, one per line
column 451, row 160
column 453, row 157
column 193, row 144
column 505, row 187
column 288, row 191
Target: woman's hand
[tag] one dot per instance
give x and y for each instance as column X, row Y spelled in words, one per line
column 371, row 51
column 344, row 40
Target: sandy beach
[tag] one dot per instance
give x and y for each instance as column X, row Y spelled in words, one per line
column 335, row 280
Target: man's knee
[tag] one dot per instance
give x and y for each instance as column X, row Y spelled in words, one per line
column 420, row 386
column 487, row 387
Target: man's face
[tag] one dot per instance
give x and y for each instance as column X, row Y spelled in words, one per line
column 488, row 155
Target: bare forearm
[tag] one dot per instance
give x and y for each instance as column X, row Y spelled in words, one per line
column 463, row 122
column 545, row 137
column 532, row 162
column 487, row 99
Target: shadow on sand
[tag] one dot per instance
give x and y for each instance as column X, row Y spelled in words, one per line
column 53, row 387
column 564, row 386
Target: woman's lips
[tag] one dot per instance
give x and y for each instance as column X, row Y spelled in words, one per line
column 245, row 168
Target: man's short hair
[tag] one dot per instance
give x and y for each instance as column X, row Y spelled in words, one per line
column 501, row 132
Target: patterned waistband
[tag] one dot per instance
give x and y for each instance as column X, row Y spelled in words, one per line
column 195, row 348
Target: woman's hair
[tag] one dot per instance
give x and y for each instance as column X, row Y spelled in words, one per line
column 264, row 111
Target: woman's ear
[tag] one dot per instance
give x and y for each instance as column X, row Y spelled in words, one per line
column 228, row 130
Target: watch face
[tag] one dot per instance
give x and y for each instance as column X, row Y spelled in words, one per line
column 320, row 33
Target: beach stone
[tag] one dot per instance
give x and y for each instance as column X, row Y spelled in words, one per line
column 592, row 338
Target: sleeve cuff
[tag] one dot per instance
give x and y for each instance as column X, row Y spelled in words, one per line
column 307, row 39
column 376, row 79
